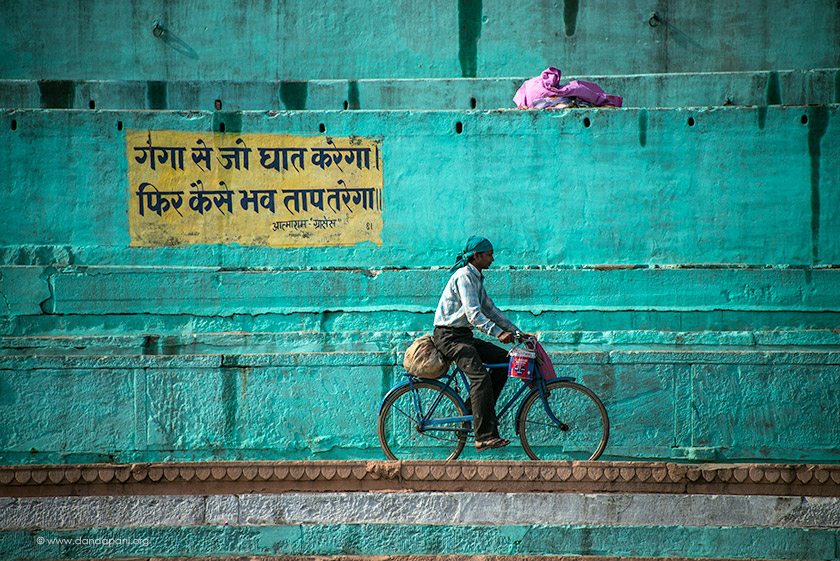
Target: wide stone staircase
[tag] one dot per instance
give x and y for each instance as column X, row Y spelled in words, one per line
column 679, row 256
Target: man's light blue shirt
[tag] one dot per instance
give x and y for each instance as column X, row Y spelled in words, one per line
column 465, row 303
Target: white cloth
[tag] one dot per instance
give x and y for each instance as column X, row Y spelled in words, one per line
column 465, row 303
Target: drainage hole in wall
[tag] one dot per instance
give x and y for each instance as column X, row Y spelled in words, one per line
column 459, row 127
column 346, row 105
column 691, row 121
column 14, row 124
column 473, row 103
column 322, row 127
column 221, row 127
column 586, row 122
column 218, row 104
column 119, row 125
column 92, row 104
column 804, row 119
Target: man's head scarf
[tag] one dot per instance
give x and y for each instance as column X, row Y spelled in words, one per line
column 476, row 244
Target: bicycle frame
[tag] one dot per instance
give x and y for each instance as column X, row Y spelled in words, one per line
column 427, row 422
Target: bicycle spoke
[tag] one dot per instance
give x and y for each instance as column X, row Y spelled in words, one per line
column 551, row 425
column 408, row 415
column 583, row 431
column 399, row 421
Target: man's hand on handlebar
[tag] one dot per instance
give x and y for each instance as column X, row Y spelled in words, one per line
column 506, row 337
column 517, row 336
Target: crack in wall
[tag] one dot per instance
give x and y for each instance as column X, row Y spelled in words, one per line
column 48, row 306
column 5, row 300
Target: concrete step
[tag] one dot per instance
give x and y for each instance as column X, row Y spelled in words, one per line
column 425, row 510
column 704, row 404
column 690, row 178
column 563, row 344
column 700, row 89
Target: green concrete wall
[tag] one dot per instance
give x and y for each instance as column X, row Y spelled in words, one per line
column 383, row 539
column 683, row 405
column 687, row 273
column 695, row 89
column 679, row 255
column 291, row 40
column 753, row 186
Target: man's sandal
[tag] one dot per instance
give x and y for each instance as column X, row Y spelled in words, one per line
column 491, row 443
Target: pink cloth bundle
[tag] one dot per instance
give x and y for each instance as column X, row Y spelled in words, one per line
column 548, row 84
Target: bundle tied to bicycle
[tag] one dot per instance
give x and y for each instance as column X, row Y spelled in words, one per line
column 424, row 360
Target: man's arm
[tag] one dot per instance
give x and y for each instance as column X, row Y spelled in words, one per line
column 494, row 313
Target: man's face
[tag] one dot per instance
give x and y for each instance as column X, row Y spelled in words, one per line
column 483, row 260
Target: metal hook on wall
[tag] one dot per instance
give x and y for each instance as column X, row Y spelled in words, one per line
column 654, row 20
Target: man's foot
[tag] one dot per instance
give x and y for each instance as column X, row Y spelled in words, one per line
column 496, row 442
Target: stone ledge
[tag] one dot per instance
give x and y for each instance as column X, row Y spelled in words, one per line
column 426, row 558
column 581, row 356
column 211, row 478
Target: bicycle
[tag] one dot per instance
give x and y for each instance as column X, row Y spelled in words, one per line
column 424, row 418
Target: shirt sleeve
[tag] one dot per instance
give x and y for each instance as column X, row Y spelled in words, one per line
column 497, row 316
column 468, row 290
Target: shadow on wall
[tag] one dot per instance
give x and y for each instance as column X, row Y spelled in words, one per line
column 173, row 41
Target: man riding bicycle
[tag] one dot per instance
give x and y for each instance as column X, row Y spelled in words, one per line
column 464, row 305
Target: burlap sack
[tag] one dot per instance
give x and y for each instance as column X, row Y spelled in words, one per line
column 424, row 360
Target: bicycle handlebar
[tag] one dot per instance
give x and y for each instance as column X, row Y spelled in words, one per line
column 527, row 339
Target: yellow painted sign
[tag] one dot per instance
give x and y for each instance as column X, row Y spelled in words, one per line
column 253, row 189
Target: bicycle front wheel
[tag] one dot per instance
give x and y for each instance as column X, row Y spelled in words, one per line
column 399, row 429
column 582, row 431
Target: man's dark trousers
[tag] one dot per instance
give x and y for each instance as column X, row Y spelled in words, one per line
column 458, row 344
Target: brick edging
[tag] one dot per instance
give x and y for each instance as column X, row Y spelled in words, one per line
column 209, row 478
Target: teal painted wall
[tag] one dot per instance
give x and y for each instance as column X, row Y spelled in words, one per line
column 388, row 539
column 696, row 89
column 686, row 273
column 290, row 40
column 741, row 185
column 679, row 255
column 687, row 405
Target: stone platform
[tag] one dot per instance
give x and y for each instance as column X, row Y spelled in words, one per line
column 420, row 511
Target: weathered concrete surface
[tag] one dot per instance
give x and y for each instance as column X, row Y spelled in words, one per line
column 429, row 557
column 485, row 509
column 385, row 539
column 727, row 412
column 693, row 190
column 692, row 404
column 685, row 272
column 693, row 89
column 288, row 40
column 104, row 290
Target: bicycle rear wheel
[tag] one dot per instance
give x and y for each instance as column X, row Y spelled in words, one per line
column 399, row 425
column 584, row 428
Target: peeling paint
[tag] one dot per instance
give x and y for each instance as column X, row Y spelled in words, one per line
column 6, row 305
column 48, row 306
